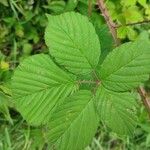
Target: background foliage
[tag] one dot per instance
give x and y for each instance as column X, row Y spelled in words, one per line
column 22, row 25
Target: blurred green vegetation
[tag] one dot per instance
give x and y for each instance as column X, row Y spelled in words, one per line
column 127, row 12
column 22, row 24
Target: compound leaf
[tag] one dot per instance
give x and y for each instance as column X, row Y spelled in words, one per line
column 126, row 66
column 74, row 122
column 117, row 110
column 38, row 84
column 73, row 42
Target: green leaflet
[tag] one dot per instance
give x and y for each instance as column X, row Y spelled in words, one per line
column 143, row 3
column 117, row 110
column 126, row 66
column 38, row 84
column 73, row 123
column 73, row 42
column 128, row 2
column 71, row 5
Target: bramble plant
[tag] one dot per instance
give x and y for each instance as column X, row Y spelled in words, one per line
column 69, row 91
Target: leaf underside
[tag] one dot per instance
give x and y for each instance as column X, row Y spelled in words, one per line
column 74, row 122
column 38, row 84
column 73, row 42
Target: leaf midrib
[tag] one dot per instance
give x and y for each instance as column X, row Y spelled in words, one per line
column 47, row 88
column 74, row 120
column 121, row 67
column 75, row 46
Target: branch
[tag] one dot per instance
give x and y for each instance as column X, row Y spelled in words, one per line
column 145, row 99
column 88, row 82
column 89, row 8
column 110, row 23
column 134, row 23
column 112, row 27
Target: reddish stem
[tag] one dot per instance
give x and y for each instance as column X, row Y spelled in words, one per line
column 110, row 23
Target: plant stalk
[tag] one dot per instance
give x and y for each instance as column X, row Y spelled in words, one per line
column 110, row 23
column 88, row 82
column 145, row 99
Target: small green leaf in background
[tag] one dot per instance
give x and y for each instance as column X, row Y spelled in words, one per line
column 132, row 34
column 128, row 2
column 106, row 39
column 4, row 65
column 147, row 12
column 122, row 32
column 56, row 6
column 126, row 12
column 142, row 2
column 71, row 5
column 27, row 48
column 4, row 2
column 19, row 30
column 127, row 32
column 133, row 14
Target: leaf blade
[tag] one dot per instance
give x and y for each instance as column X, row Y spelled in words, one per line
column 68, row 126
column 126, row 66
column 117, row 110
column 73, row 42
column 38, row 85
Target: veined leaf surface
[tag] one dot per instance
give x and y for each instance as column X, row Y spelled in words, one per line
column 73, row 42
column 126, row 66
column 74, row 122
column 38, row 84
column 117, row 110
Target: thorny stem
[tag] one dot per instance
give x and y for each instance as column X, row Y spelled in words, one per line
column 145, row 99
column 97, row 83
column 112, row 27
column 89, row 8
column 110, row 23
column 88, row 82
